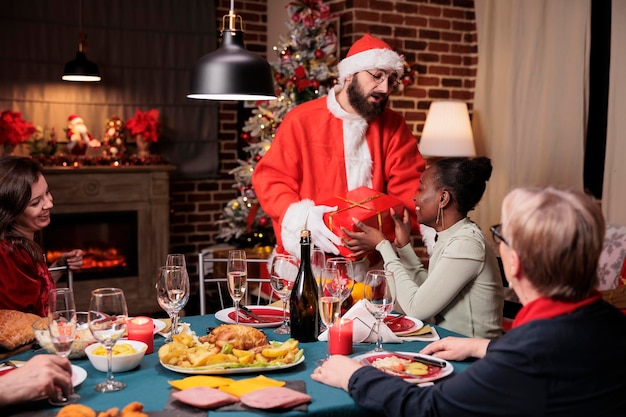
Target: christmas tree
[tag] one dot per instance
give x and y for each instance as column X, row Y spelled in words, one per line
column 306, row 68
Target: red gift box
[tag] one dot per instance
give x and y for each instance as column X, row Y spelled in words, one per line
column 369, row 206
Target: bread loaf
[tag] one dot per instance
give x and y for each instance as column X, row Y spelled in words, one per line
column 16, row 329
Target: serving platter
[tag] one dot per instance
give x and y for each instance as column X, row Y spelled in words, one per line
column 216, row 370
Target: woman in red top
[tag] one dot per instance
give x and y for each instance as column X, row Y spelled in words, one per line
column 25, row 204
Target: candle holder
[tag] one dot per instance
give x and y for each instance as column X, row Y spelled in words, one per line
column 142, row 329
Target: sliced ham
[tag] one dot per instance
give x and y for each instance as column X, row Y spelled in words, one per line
column 204, row 397
column 274, row 397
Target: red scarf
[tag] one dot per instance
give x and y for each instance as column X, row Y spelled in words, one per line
column 546, row 308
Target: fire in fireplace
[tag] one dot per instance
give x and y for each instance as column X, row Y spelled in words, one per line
column 108, row 240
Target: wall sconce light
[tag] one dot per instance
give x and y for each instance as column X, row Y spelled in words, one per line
column 231, row 72
column 447, row 131
column 80, row 68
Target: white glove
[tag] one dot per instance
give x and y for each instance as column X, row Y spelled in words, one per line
column 321, row 235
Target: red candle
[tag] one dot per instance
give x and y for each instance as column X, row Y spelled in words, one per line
column 142, row 329
column 340, row 337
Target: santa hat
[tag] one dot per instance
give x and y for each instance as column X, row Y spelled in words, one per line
column 370, row 53
column 72, row 117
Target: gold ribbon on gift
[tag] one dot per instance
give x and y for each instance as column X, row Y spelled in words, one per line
column 361, row 204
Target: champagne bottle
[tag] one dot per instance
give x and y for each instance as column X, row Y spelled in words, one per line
column 303, row 307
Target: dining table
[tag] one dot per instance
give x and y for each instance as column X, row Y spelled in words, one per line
column 148, row 383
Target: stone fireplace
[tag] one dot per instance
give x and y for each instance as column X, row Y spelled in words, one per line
column 119, row 216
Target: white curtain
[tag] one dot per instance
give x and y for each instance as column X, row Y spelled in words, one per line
column 614, row 187
column 145, row 50
column 531, row 95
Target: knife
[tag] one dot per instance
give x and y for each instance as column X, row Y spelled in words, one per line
column 420, row 359
column 253, row 314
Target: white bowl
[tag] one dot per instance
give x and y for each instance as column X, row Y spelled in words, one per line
column 84, row 337
column 121, row 363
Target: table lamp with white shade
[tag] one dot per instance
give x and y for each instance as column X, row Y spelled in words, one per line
column 447, row 131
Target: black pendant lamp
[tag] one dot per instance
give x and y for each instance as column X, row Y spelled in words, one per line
column 231, row 72
column 80, row 68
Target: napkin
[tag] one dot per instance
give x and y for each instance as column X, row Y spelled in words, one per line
column 364, row 326
column 426, row 334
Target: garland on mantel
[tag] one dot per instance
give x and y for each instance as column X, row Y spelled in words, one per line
column 77, row 161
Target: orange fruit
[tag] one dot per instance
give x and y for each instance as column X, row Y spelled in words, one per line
column 358, row 291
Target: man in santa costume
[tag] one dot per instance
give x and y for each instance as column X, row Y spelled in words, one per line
column 331, row 145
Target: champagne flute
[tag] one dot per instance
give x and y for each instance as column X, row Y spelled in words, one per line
column 107, row 321
column 237, row 274
column 379, row 297
column 318, row 261
column 172, row 288
column 282, row 275
column 62, row 328
column 329, row 299
column 346, row 274
column 176, row 259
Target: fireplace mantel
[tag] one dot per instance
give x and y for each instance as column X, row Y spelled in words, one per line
column 144, row 189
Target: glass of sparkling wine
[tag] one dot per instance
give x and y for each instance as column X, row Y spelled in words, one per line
column 379, row 298
column 237, row 274
column 329, row 298
column 282, row 276
column 172, row 288
column 107, row 322
column 62, row 329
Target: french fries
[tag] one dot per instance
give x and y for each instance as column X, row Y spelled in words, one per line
column 186, row 352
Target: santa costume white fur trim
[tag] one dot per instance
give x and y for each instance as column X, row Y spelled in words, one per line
column 369, row 53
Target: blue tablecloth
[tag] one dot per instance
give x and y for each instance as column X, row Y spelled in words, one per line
column 148, row 383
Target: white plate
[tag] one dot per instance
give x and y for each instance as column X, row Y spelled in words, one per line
column 223, row 371
column 405, row 325
column 158, row 325
column 78, row 373
column 275, row 314
column 434, row 374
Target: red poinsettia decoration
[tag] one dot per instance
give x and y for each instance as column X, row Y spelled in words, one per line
column 13, row 129
column 145, row 124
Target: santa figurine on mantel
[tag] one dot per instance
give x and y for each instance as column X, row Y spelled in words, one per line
column 79, row 137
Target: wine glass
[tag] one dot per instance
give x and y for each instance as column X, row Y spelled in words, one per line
column 379, row 298
column 176, row 259
column 62, row 328
column 172, row 288
column 107, row 321
column 318, row 261
column 282, row 276
column 329, row 298
column 237, row 274
column 346, row 274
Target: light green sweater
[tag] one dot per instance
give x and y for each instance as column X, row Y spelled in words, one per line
column 462, row 289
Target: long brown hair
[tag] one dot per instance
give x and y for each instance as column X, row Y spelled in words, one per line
column 17, row 175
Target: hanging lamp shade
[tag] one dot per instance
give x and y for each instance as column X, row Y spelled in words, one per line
column 81, row 69
column 231, row 72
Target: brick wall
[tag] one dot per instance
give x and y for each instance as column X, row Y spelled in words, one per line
column 439, row 35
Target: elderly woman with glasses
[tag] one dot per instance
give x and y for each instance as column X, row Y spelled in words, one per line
column 462, row 288
column 565, row 352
